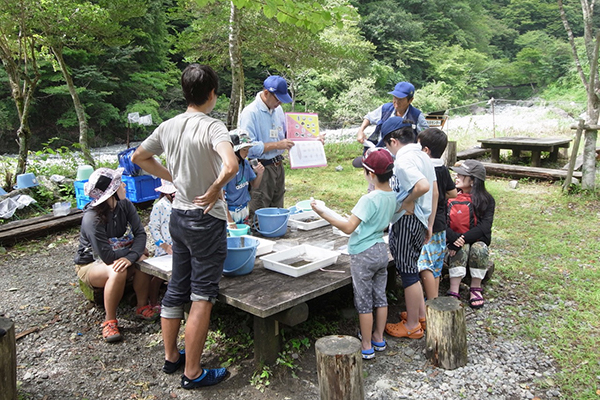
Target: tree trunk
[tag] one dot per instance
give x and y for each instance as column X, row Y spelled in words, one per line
column 22, row 89
column 588, row 179
column 83, row 127
column 236, row 103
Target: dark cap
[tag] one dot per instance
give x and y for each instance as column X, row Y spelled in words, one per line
column 278, row 86
column 376, row 160
column 470, row 168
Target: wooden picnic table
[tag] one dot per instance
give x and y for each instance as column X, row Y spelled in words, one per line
column 272, row 297
column 518, row 144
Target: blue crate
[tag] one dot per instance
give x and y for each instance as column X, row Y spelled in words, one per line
column 141, row 188
column 82, row 199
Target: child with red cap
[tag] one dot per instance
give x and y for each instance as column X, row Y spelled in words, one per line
column 368, row 252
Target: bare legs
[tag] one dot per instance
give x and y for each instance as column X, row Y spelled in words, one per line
column 366, row 326
column 196, row 330
column 431, row 284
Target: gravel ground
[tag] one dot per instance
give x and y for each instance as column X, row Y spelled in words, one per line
column 66, row 357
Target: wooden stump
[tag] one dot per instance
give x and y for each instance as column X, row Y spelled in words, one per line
column 8, row 360
column 446, row 344
column 339, row 368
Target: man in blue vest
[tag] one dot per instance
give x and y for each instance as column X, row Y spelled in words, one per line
column 399, row 107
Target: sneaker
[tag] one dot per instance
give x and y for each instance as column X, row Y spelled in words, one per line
column 208, row 377
column 171, row 367
column 147, row 312
column 368, row 354
column 110, row 331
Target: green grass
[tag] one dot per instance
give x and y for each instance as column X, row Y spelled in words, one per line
column 545, row 246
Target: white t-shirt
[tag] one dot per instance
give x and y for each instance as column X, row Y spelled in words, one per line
column 189, row 141
column 410, row 166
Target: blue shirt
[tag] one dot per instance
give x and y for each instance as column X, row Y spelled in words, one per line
column 264, row 126
column 237, row 191
column 375, row 211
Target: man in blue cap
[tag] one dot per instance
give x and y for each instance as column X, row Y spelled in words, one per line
column 264, row 120
column 399, row 107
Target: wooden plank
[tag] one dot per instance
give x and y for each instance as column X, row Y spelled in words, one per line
column 34, row 221
column 473, row 152
column 520, row 171
column 38, row 226
column 530, row 142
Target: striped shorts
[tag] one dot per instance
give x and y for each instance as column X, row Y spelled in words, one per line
column 406, row 241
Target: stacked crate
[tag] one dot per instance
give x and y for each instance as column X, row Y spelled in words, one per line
column 140, row 188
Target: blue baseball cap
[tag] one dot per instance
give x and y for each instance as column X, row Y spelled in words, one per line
column 403, row 89
column 278, row 86
column 391, row 125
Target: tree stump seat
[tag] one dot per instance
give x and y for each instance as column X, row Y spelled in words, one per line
column 446, row 344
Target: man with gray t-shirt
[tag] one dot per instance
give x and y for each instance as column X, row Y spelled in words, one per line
column 200, row 161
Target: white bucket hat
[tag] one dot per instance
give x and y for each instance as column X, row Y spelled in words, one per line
column 166, row 187
column 241, row 139
column 103, row 183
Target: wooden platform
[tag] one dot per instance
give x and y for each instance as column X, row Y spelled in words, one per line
column 12, row 232
column 274, row 298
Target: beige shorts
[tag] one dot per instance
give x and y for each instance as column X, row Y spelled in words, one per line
column 83, row 271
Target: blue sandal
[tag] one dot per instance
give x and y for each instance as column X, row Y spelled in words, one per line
column 368, row 354
column 379, row 346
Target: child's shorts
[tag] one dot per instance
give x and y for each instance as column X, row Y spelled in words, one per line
column 369, row 278
column 432, row 254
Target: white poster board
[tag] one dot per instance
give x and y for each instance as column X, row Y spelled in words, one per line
column 307, row 154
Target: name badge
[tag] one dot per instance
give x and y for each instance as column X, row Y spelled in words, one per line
column 273, row 134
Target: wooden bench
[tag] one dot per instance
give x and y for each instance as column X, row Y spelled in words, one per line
column 12, row 232
column 518, row 144
column 274, row 298
column 473, row 152
column 520, row 171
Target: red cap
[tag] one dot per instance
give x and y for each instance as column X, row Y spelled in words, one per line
column 376, row 160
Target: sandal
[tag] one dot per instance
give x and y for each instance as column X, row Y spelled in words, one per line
column 379, row 346
column 453, row 294
column 400, row 330
column 476, row 292
column 422, row 321
column 147, row 312
column 368, row 354
column 110, row 331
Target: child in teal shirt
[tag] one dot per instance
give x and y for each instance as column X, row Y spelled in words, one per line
column 368, row 252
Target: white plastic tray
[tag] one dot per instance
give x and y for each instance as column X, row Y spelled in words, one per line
column 264, row 246
column 315, row 256
column 299, row 220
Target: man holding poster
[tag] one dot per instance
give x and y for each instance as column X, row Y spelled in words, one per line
column 264, row 119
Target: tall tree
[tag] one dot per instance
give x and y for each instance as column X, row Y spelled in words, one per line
column 19, row 53
column 86, row 24
column 591, row 82
column 304, row 15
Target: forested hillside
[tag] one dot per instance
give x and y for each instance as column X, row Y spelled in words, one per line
column 73, row 70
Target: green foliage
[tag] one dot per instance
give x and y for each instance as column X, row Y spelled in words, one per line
column 261, row 378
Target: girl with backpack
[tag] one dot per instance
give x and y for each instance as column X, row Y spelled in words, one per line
column 469, row 231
